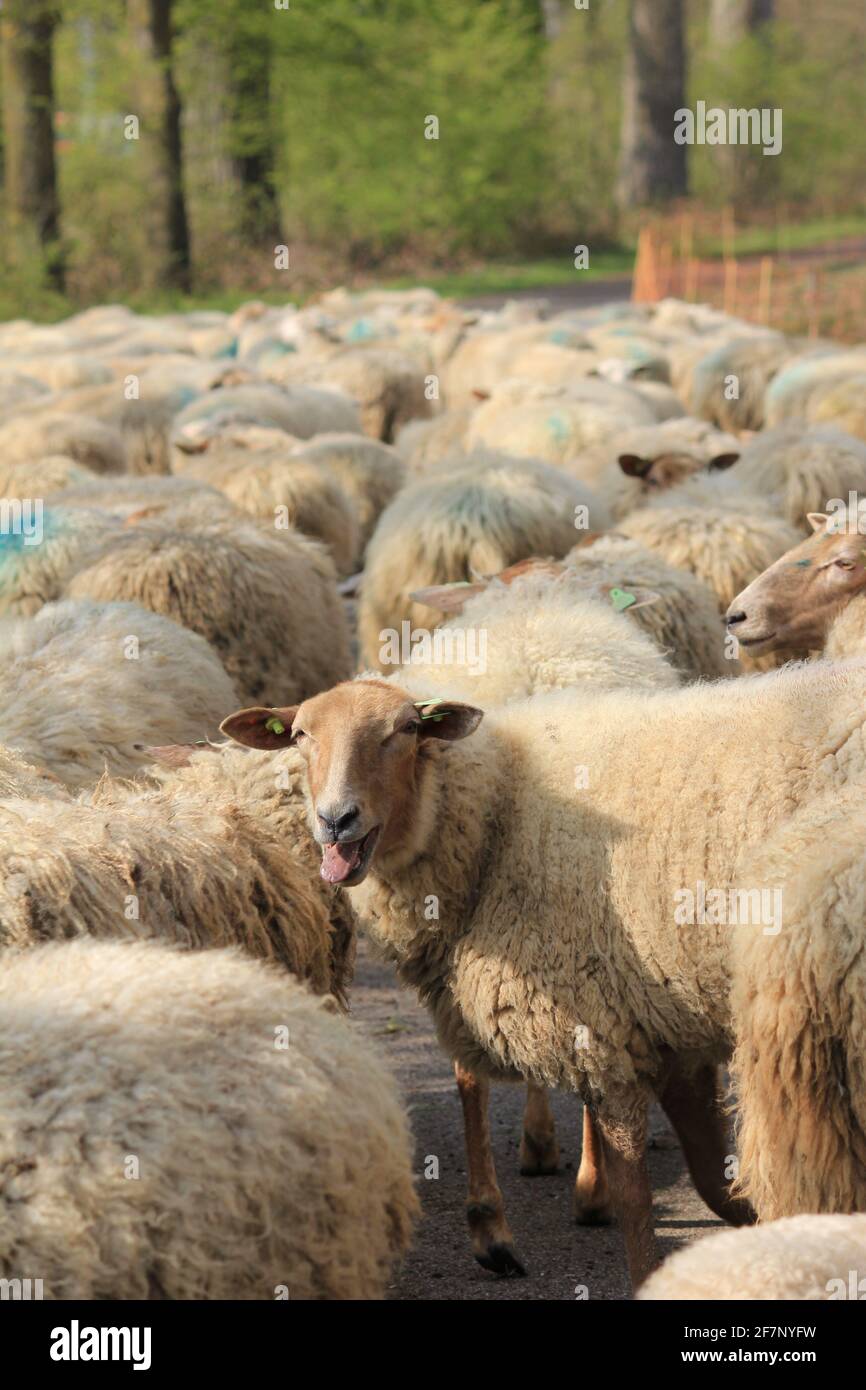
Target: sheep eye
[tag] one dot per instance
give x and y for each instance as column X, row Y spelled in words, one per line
column 844, row 564
column 411, row 728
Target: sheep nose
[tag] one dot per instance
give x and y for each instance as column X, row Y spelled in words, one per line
column 337, row 821
column 733, row 618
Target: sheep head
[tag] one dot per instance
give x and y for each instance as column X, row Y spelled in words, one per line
column 791, row 606
column 367, row 746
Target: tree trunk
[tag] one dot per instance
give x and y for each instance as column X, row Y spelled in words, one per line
column 30, row 175
column 250, row 144
column 160, row 114
column 652, row 166
column 731, row 20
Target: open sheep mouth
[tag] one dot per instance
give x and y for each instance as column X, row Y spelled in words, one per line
column 347, row 861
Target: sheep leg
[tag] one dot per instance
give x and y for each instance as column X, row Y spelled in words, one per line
column 492, row 1242
column 690, row 1101
column 591, row 1204
column 623, row 1133
column 539, row 1151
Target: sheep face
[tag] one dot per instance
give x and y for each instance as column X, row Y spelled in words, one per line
column 793, row 603
column 368, row 748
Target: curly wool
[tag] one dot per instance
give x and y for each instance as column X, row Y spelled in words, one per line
column 132, row 498
column 554, row 425
column 804, row 1257
column 266, row 600
column 85, row 686
column 370, row 474
column 273, row 482
column 541, row 633
column 387, row 385
column 270, row 788
column 503, row 838
column 20, row 778
column 299, row 410
column 477, row 514
column 799, row 1002
column 31, row 575
column 39, row 477
column 801, row 469
column 89, row 442
column 684, row 623
column 754, row 361
column 261, row 1168
column 195, row 871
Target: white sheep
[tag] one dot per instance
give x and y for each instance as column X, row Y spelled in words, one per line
column 565, row 844
column 192, row 1126
column 801, row 468
column 803, row 1257
column 85, row 686
column 481, row 514
column 265, row 599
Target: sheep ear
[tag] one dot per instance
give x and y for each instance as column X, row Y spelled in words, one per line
column 723, row 461
column 817, row 520
column 261, row 728
column 633, row 466
column 448, row 720
column 172, row 754
column 351, row 587
column 448, row 598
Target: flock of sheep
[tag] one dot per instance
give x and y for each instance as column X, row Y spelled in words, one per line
column 603, row 578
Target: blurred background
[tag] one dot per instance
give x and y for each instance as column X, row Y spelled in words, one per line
column 158, row 151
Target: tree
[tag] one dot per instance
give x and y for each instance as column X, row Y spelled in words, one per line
column 30, row 175
column 250, row 133
column 652, row 165
column 731, row 20
column 160, row 116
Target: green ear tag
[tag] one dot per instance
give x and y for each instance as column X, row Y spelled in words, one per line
column 621, row 599
column 275, row 726
column 421, row 705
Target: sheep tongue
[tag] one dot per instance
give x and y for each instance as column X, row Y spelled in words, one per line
column 338, row 861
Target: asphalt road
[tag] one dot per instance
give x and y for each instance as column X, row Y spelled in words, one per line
column 583, row 294
column 559, row 1255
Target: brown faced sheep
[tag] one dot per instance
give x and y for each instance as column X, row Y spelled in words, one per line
column 540, row 879
column 192, row 1126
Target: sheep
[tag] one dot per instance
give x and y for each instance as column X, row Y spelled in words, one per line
column 370, row 474
column 533, row 629
column 799, row 1006
column 96, row 446
column 299, row 410
column 425, row 442
column 20, row 778
column 263, row 1168
column 265, row 599
column 64, row 371
column 18, row 389
column 682, row 620
column 269, row 789
column 723, row 547
column 751, row 363
column 805, row 1257
column 130, row 498
column 272, row 483
column 801, row 468
column 388, row 387
column 629, row 468
column 478, row 513
column 31, row 575
column 562, row 946
column 812, row 598
column 553, row 426
column 841, row 403
column 41, row 477
column 194, row 870
column 790, row 393
column 83, row 686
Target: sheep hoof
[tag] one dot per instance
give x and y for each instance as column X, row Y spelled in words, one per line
column 597, row 1214
column 503, row 1260
column 538, row 1157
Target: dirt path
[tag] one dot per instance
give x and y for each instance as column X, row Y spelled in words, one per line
column 559, row 1255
